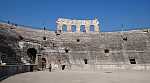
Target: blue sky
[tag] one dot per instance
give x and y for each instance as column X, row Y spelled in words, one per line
column 111, row 13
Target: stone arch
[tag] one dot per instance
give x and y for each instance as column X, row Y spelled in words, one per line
column 85, row 61
column 82, row 28
column 64, row 28
column 69, row 22
column 31, row 52
column 73, row 28
column 92, row 28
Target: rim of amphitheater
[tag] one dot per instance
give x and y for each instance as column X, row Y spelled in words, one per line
column 79, row 45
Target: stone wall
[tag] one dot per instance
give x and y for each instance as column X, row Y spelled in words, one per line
column 9, row 47
column 104, row 48
column 9, row 70
column 128, row 50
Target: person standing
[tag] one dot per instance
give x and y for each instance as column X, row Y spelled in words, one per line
column 50, row 67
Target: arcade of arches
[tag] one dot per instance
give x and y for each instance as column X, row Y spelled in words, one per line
column 31, row 52
column 69, row 25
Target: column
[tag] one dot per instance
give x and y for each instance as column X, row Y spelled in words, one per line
column 87, row 28
column 78, row 28
column 96, row 25
column 96, row 28
column 69, row 28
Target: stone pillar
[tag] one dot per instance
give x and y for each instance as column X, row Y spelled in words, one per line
column 87, row 28
column 78, row 28
column 96, row 28
column 69, row 28
column 96, row 25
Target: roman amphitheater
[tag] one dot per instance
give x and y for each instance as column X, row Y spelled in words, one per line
column 78, row 52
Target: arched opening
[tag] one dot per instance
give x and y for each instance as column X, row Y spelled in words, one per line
column 43, row 63
column 92, row 28
column 73, row 28
column 4, row 59
column 31, row 52
column 132, row 60
column 66, row 50
column 85, row 61
column 64, row 28
column 82, row 28
column 63, row 67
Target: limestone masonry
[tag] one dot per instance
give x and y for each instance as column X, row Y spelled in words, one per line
column 81, row 49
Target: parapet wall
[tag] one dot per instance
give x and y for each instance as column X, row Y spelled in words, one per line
column 9, row 70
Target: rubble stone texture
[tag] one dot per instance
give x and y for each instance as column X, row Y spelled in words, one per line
column 9, row 48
